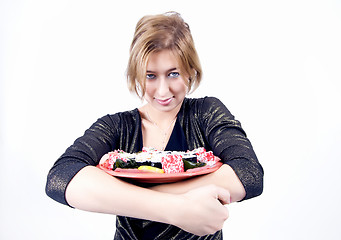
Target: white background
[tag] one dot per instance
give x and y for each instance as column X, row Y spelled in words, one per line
column 275, row 64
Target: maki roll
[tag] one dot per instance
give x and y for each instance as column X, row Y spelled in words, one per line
column 169, row 161
column 172, row 163
column 190, row 157
column 152, row 159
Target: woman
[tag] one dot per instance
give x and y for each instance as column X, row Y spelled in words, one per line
column 163, row 67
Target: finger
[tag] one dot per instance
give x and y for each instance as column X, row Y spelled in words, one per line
column 223, row 195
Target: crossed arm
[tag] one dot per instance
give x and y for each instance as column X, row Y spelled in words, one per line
column 195, row 205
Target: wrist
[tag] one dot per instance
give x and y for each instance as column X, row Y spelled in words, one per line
column 175, row 209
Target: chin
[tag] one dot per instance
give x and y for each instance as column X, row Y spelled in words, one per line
column 168, row 108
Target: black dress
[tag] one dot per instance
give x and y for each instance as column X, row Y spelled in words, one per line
column 131, row 228
column 203, row 122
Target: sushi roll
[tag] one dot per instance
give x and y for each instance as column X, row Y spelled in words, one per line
column 172, row 163
column 190, row 157
column 149, row 158
column 169, row 161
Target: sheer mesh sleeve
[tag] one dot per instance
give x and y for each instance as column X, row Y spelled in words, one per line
column 228, row 141
column 86, row 150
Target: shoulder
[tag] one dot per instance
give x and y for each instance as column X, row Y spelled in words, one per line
column 204, row 101
column 126, row 117
column 205, row 106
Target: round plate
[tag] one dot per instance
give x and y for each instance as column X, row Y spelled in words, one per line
column 148, row 177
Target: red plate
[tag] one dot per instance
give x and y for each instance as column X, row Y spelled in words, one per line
column 148, row 177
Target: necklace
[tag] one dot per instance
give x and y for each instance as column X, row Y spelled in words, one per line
column 164, row 133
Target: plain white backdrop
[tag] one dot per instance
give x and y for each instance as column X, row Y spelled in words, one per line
column 275, row 65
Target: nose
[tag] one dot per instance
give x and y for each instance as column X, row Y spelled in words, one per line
column 163, row 87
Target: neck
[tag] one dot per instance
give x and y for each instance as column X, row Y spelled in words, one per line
column 161, row 117
column 162, row 120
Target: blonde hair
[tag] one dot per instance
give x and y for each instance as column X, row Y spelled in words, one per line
column 162, row 32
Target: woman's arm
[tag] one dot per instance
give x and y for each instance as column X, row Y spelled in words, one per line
column 74, row 180
column 224, row 177
column 198, row 211
column 227, row 139
column 208, row 123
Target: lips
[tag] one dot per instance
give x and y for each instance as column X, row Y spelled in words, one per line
column 164, row 102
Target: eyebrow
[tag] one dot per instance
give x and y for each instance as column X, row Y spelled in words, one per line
column 169, row 70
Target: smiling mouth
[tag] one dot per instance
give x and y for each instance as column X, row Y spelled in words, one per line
column 164, row 102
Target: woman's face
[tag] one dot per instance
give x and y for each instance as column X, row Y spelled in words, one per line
column 165, row 87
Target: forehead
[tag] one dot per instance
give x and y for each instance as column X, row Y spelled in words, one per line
column 162, row 61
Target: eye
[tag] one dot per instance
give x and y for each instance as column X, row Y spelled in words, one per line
column 150, row 76
column 174, row 74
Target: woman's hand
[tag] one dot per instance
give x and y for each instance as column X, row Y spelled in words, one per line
column 202, row 210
